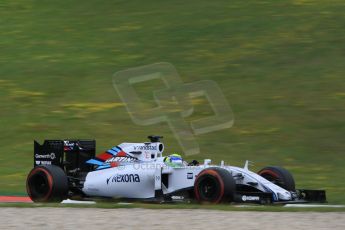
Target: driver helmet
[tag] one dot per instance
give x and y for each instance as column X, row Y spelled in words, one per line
column 173, row 160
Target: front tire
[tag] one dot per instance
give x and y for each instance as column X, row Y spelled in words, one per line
column 214, row 185
column 47, row 183
column 279, row 176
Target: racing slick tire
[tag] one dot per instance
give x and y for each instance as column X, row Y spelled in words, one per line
column 47, row 183
column 214, row 185
column 279, row 176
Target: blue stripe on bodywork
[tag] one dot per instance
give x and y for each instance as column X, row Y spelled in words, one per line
column 112, row 152
column 94, row 162
column 116, row 149
column 103, row 167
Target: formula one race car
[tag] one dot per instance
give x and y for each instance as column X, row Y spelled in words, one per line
column 69, row 169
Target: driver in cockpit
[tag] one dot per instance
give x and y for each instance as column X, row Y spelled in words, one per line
column 174, row 160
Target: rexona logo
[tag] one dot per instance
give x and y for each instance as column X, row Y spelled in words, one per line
column 250, row 198
column 124, row 178
column 46, row 156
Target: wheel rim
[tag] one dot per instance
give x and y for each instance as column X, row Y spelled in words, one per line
column 39, row 185
column 209, row 188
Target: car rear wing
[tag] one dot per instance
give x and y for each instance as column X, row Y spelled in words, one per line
column 68, row 154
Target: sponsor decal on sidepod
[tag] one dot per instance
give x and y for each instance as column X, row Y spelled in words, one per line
column 124, row 178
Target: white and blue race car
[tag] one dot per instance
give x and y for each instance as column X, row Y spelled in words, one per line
column 69, row 169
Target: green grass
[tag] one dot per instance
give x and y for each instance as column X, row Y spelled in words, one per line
column 279, row 63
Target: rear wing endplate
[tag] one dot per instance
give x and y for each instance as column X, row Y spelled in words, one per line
column 67, row 154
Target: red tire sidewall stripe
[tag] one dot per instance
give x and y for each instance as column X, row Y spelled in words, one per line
column 49, row 178
column 269, row 172
column 219, row 178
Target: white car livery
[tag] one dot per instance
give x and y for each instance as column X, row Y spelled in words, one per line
column 140, row 171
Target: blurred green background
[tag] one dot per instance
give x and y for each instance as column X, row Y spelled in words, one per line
column 280, row 65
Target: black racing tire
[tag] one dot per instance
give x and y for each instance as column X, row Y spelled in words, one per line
column 279, row 176
column 214, row 185
column 47, row 183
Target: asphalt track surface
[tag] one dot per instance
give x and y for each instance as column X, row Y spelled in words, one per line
column 95, row 218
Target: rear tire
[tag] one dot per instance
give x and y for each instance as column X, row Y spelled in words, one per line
column 47, row 183
column 214, row 185
column 279, row 176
